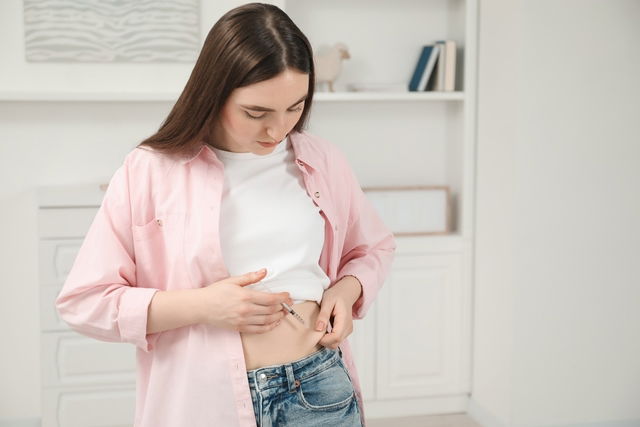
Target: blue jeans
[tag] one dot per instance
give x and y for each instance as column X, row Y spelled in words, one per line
column 313, row 391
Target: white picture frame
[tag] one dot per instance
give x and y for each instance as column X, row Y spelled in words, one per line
column 413, row 210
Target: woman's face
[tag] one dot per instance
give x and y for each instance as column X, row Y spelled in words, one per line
column 262, row 112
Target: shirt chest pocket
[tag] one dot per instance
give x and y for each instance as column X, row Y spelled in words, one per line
column 158, row 251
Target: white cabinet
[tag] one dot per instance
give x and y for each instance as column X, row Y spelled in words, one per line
column 98, row 406
column 85, row 382
column 413, row 350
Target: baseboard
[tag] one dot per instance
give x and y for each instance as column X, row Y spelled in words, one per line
column 20, row 422
column 483, row 417
column 612, row 423
column 486, row 419
column 407, row 407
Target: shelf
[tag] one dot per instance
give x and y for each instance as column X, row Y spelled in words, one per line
column 11, row 96
column 454, row 242
column 388, row 96
column 88, row 96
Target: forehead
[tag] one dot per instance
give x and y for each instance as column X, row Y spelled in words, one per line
column 281, row 90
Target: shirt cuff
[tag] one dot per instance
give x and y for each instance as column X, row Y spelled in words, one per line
column 132, row 317
column 369, row 293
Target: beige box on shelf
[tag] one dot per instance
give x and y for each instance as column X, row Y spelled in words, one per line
column 412, row 210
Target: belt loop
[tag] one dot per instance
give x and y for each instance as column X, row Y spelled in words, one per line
column 291, row 381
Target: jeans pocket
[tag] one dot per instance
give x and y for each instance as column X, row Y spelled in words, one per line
column 327, row 390
column 346, row 370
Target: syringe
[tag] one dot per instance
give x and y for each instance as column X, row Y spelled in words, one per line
column 285, row 305
column 290, row 310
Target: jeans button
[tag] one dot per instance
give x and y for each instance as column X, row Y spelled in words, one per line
column 262, row 376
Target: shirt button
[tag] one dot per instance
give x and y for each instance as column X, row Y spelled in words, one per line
column 159, row 221
column 317, row 194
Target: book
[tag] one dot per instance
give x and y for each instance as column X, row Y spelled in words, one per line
column 438, row 79
column 420, row 68
column 376, row 87
column 445, row 79
column 433, row 57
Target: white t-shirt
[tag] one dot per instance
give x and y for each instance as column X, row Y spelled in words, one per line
column 268, row 220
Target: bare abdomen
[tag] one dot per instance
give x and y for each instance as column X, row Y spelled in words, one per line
column 289, row 341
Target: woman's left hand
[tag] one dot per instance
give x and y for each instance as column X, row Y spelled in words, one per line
column 337, row 304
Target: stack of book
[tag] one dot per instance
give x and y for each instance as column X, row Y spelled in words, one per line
column 436, row 68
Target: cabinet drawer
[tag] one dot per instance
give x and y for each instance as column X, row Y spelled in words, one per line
column 56, row 258
column 70, row 359
column 420, row 319
column 89, row 407
column 49, row 319
column 65, row 222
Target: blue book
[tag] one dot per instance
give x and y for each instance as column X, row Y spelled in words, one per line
column 428, row 71
column 420, row 68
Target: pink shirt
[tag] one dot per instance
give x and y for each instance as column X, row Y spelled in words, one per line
column 157, row 229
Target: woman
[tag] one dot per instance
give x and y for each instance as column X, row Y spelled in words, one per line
column 231, row 184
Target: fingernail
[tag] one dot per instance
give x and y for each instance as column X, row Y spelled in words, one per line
column 261, row 271
column 320, row 325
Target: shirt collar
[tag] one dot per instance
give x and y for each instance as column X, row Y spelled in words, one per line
column 301, row 148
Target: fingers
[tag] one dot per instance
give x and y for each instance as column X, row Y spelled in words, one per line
column 248, row 278
column 264, row 323
column 323, row 317
column 257, row 311
column 257, row 296
column 258, row 329
column 267, row 298
column 265, row 319
column 329, row 339
column 332, row 339
column 341, row 326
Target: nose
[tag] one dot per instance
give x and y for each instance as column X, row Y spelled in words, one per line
column 277, row 130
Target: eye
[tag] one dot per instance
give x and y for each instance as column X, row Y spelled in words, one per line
column 295, row 110
column 254, row 117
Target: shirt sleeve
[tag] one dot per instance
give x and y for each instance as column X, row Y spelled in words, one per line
column 99, row 298
column 369, row 246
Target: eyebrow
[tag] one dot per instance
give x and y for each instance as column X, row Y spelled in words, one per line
column 258, row 108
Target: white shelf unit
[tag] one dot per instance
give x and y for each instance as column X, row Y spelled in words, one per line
column 15, row 96
column 413, row 350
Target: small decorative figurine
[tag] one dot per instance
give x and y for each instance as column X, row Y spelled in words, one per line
column 328, row 63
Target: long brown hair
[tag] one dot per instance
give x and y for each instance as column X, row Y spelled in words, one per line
column 247, row 45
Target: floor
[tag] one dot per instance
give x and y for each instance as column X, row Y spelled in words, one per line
column 450, row 420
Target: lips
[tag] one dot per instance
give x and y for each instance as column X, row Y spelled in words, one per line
column 268, row 144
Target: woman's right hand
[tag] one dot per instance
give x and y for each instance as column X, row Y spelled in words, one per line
column 228, row 304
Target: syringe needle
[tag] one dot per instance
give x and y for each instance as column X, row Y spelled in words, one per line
column 290, row 310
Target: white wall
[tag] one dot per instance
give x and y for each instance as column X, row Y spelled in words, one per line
column 47, row 144
column 50, row 143
column 557, row 284
column 557, row 324
column 20, row 76
column 498, row 48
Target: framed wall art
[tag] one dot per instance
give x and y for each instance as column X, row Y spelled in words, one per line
column 413, row 210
